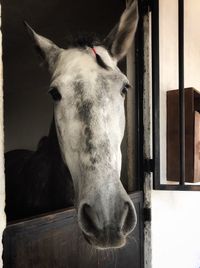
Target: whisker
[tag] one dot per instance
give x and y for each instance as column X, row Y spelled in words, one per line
column 116, row 255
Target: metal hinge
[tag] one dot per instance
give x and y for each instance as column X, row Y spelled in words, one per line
column 148, row 165
column 147, row 215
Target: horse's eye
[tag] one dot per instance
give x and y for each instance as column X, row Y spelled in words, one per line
column 124, row 89
column 55, row 94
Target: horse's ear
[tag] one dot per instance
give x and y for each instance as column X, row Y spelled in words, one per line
column 120, row 38
column 45, row 47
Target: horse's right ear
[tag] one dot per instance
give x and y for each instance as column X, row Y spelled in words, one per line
column 120, row 38
column 45, row 47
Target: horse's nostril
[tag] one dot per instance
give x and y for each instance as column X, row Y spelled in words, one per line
column 87, row 218
column 129, row 218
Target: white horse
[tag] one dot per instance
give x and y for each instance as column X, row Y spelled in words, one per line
column 88, row 90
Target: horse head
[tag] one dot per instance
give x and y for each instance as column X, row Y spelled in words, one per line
column 89, row 90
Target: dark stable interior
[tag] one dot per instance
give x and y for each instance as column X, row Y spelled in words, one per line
column 28, row 109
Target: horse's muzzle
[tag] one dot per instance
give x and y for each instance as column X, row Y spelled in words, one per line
column 105, row 227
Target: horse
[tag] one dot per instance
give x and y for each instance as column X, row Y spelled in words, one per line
column 79, row 162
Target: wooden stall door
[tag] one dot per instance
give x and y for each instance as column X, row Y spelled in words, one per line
column 55, row 241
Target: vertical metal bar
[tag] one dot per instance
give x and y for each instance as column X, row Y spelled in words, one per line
column 156, row 91
column 139, row 61
column 181, row 90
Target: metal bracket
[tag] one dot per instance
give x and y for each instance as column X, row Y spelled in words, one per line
column 148, row 165
column 147, row 214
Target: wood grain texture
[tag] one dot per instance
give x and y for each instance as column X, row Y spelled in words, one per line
column 192, row 104
column 55, row 241
column 197, row 147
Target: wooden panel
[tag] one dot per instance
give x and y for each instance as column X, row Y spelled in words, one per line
column 173, row 170
column 172, row 131
column 197, row 148
column 55, row 241
column 196, row 101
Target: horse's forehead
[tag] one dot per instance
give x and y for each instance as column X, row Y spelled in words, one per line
column 77, row 69
column 76, row 60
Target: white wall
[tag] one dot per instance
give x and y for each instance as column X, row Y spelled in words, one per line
column 176, row 229
column 176, row 215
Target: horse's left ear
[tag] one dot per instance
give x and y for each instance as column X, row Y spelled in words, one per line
column 45, row 47
column 120, row 38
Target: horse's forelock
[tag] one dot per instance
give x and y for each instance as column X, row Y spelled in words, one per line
column 84, row 40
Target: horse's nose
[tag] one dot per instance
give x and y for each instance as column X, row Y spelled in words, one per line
column 107, row 230
column 129, row 218
column 89, row 219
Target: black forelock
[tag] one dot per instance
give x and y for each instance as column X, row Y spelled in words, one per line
column 84, row 40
